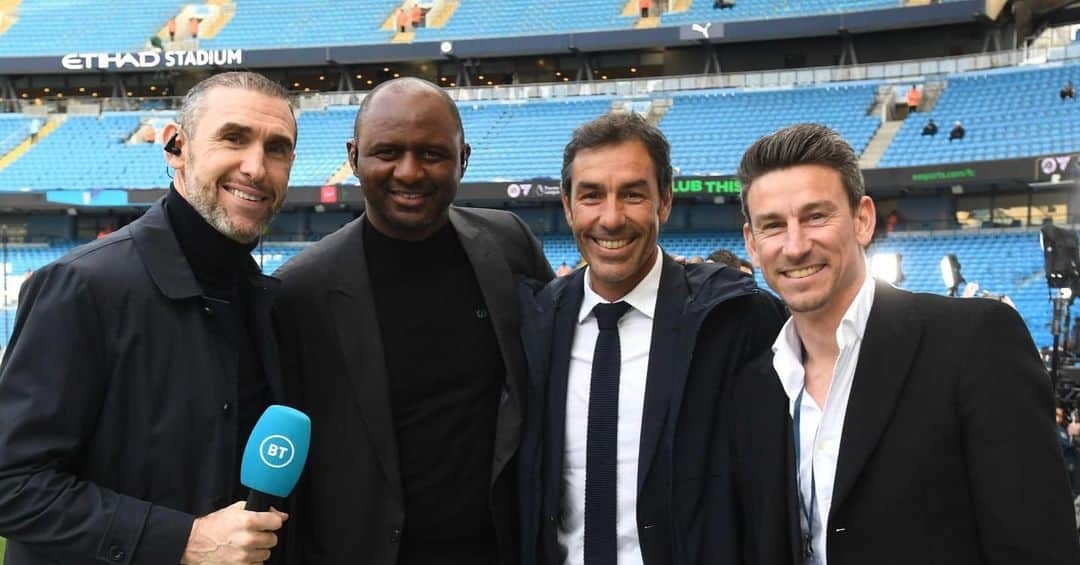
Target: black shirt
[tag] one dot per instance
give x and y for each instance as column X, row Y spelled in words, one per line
column 446, row 375
column 222, row 267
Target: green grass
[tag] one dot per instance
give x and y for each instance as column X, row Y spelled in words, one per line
column 1, row 551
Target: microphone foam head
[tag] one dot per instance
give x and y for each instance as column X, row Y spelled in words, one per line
column 276, row 451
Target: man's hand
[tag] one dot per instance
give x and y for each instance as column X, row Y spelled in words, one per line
column 233, row 535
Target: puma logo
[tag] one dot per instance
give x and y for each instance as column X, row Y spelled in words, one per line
column 702, row 29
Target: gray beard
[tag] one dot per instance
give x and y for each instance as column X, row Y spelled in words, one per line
column 215, row 214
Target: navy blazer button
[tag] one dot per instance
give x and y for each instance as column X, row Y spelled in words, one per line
column 116, row 554
column 481, row 313
column 226, row 408
column 208, row 310
column 395, row 536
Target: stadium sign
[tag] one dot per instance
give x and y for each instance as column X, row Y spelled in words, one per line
column 706, row 185
column 1057, row 168
column 152, row 59
column 944, row 175
column 545, row 189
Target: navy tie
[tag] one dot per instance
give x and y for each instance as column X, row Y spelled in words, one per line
column 601, row 451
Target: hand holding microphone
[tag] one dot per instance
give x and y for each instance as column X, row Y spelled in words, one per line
column 273, row 459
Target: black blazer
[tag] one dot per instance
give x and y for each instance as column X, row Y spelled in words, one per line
column 948, row 453
column 349, row 505
column 709, row 321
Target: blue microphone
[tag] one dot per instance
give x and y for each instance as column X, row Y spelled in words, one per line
column 275, row 455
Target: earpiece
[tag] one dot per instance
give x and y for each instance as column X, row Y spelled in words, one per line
column 170, row 146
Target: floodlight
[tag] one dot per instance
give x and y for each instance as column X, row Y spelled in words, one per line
column 950, row 273
column 887, row 267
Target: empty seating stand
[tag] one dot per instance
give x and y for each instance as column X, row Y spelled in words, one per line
column 710, row 130
column 55, row 27
column 94, row 154
column 1006, row 114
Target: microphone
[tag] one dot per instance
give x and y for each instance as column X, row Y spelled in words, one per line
column 275, row 455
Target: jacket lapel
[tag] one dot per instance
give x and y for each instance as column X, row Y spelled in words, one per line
column 567, row 305
column 889, row 345
column 667, row 365
column 361, row 345
column 497, row 286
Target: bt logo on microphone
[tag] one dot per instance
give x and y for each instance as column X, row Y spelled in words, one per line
column 277, row 451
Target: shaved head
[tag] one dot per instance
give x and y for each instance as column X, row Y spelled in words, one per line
column 407, row 85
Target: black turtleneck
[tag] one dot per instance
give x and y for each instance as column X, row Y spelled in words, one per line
column 445, row 373
column 218, row 262
column 223, row 267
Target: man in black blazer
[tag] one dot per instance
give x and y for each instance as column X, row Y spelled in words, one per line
column 141, row 361
column 399, row 337
column 884, row 427
column 664, row 476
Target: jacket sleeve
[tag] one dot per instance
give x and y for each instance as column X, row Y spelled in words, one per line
column 1016, row 473
column 52, row 384
column 764, row 325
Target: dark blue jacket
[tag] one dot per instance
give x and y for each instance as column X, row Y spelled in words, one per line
column 709, row 321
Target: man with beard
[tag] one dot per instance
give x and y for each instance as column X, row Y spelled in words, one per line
column 399, row 336
column 880, row 428
column 141, row 361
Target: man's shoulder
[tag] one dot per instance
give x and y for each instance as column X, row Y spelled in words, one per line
column 487, row 218
column 545, row 293
column 110, row 256
column 936, row 307
column 312, row 265
column 712, row 283
column 107, row 265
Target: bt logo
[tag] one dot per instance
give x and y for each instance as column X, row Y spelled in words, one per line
column 277, row 451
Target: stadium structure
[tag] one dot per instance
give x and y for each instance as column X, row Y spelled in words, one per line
column 87, row 87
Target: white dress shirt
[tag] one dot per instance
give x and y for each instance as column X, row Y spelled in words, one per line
column 635, row 338
column 820, row 429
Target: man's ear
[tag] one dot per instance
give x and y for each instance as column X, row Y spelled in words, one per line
column 865, row 221
column 567, row 208
column 466, row 152
column 353, row 156
column 175, row 139
column 751, row 244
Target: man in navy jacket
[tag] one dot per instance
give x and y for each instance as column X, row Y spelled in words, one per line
column 681, row 331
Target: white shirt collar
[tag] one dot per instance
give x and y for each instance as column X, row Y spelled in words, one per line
column 787, row 349
column 642, row 298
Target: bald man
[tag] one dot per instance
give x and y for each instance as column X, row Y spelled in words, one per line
column 400, row 339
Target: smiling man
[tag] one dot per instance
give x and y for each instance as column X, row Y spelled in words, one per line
column 400, row 337
column 141, row 361
column 883, row 426
column 624, row 462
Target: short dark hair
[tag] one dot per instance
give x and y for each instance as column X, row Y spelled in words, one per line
column 614, row 128
column 409, row 83
column 802, row 144
column 725, row 257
